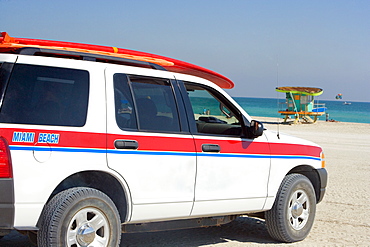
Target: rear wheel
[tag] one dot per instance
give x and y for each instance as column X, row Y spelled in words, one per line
column 80, row 217
column 292, row 216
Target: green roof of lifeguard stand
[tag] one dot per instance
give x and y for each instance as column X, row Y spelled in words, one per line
column 314, row 91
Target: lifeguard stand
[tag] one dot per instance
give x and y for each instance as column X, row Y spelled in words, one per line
column 300, row 103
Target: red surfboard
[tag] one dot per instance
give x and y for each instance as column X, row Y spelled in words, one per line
column 8, row 43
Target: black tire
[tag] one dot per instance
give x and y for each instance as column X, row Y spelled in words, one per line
column 292, row 216
column 79, row 217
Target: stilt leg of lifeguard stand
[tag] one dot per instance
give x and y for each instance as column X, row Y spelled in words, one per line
column 296, row 119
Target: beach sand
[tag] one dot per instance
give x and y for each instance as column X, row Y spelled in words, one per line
column 342, row 217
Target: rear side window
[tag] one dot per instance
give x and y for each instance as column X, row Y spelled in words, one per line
column 155, row 102
column 46, row 96
column 145, row 103
column 5, row 69
column 125, row 110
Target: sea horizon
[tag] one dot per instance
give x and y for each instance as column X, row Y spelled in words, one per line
column 356, row 111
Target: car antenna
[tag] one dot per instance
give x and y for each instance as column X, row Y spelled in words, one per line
column 277, row 98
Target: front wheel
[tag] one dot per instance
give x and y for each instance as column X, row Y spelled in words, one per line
column 291, row 218
column 80, row 217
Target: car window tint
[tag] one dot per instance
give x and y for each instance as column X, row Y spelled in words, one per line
column 125, row 112
column 46, row 96
column 156, row 105
column 5, row 69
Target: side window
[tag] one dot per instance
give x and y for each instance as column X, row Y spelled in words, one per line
column 46, row 96
column 156, row 105
column 211, row 113
column 125, row 112
column 5, row 69
column 150, row 107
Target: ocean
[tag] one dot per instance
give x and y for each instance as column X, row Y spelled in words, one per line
column 356, row 112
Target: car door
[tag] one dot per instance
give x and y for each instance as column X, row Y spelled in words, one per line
column 149, row 143
column 232, row 171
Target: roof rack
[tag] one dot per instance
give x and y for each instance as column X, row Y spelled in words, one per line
column 85, row 56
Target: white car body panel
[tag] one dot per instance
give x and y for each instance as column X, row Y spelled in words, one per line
column 159, row 184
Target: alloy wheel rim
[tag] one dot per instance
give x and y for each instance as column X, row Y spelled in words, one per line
column 88, row 227
column 298, row 209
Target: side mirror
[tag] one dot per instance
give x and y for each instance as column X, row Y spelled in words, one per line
column 255, row 129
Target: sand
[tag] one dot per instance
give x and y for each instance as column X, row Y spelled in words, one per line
column 342, row 218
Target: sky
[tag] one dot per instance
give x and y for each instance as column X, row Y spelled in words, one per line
column 258, row 44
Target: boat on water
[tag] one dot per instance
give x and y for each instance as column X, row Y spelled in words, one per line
column 319, row 109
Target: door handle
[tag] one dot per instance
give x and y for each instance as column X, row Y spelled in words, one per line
column 211, row 148
column 126, row 144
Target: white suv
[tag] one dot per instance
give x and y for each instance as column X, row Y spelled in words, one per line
column 92, row 145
